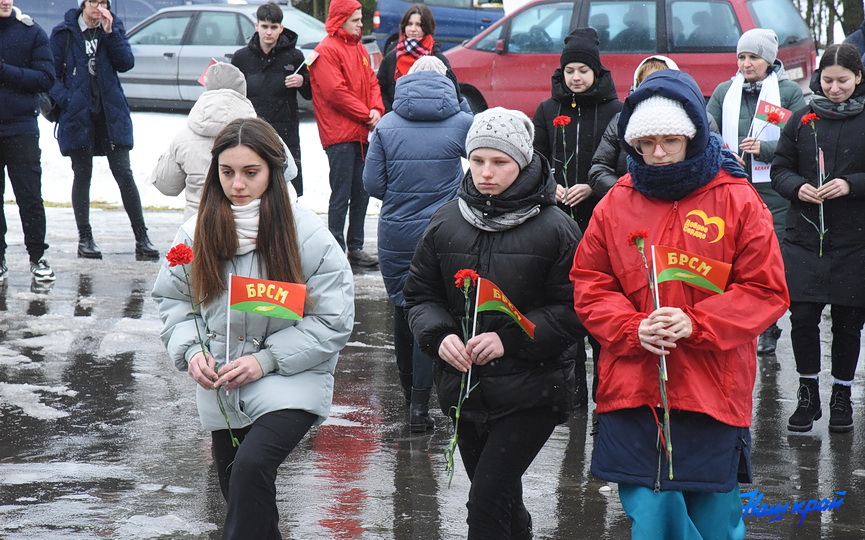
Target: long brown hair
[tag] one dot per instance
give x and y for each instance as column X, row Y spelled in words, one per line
column 215, row 234
column 427, row 21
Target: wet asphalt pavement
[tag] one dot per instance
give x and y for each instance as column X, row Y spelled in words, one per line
column 99, row 436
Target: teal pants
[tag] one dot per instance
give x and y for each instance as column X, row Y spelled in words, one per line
column 682, row 515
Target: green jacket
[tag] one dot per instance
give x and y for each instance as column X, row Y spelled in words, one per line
column 298, row 358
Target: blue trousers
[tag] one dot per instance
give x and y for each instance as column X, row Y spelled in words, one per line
column 347, row 193
column 682, row 515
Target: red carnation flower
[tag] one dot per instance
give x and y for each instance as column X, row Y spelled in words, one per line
column 561, row 121
column 465, row 274
column 638, row 235
column 179, row 254
column 773, row 118
column 810, row 117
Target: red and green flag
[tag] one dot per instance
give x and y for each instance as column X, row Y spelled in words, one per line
column 266, row 297
column 773, row 114
column 672, row 264
column 491, row 298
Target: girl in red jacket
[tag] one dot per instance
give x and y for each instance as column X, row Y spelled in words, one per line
column 683, row 191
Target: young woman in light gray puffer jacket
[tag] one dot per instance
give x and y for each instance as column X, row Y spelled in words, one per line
column 274, row 376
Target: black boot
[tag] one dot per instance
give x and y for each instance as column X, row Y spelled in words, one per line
column 808, row 408
column 768, row 340
column 840, row 409
column 87, row 248
column 144, row 249
column 420, row 418
column 405, row 382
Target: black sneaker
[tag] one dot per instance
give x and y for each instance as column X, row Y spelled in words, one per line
column 840, row 409
column 41, row 271
column 360, row 257
column 808, row 408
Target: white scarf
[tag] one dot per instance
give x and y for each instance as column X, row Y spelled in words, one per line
column 246, row 223
column 770, row 93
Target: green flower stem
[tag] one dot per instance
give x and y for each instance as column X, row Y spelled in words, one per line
column 565, row 169
column 234, row 441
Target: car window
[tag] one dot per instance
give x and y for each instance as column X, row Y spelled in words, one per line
column 213, row 28
column 464, row 4
column 624, row 26
column 541, row 29
column 782, row 17
column 166, row 30
column 309, row 30
column 702, row 24
column 247, row 28
column 488, row 42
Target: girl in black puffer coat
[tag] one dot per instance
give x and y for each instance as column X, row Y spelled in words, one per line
column 582, row 90
column 506, row 227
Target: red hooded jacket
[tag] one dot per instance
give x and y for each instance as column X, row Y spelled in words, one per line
column 344, row 87
column 713, row 370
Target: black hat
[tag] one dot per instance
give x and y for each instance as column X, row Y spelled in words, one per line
column 581, row 45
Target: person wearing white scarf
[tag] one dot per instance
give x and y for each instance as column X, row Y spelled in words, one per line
column 733, row 105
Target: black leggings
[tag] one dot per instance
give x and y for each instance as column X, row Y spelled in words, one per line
column 247, row 474
column 847, row 324
column 82, row 174
column 496, row 454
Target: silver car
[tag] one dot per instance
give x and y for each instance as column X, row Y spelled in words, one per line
column 174, row 46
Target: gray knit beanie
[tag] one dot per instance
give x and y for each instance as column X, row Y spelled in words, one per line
column 659, row 115
column 760, row 41
column 428, row 63
column 504, row 130
column 224, row 75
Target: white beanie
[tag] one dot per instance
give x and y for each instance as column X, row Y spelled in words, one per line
column 659, row 115
column 428, row 63
column 504, row 130
column 760, row 41
column 224, row 75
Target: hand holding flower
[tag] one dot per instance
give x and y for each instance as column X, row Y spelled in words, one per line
column 202, row 370
column 663, row 328
column 750, row 145
column 577, row 194
column 809, row 194
column 453, row 351
column 485, row 347
column 241, row 371
column 837, row 187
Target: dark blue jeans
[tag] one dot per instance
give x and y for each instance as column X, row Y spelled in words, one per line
column 409, row 358
column 347, row 193
column 496, row 454
column 247, row 474
column 21, row 156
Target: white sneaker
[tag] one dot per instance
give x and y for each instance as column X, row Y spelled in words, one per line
column 41, row 271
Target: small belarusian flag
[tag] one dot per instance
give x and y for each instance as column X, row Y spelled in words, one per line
column 673, row 264
column 265, row 297
column 203, row 79
column 491, row 298
column 768, row 112
column 308, row 62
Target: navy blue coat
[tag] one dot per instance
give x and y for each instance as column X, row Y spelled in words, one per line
column 414, row 167
column 25, row 70
column 72, row 91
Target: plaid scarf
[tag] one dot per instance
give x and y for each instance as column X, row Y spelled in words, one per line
column 408, row 50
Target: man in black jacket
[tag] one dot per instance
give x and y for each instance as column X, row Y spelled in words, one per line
column 274, row 75
column 26, row 68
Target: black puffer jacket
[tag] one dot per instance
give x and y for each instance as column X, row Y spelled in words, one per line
column 835, row 277
column 590, row 112
column 265, row 83
column 530, row 264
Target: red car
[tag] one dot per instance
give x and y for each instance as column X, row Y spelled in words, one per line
column 510, row 64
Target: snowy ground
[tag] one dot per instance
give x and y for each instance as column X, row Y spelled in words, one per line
column 153, row 133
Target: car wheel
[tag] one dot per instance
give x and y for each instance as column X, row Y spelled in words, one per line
column 476, row 101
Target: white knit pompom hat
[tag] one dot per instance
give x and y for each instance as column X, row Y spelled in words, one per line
column 659, row 115
column 429, row 63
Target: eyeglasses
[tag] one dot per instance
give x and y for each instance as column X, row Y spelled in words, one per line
column 670, row 145
column 97, row 3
